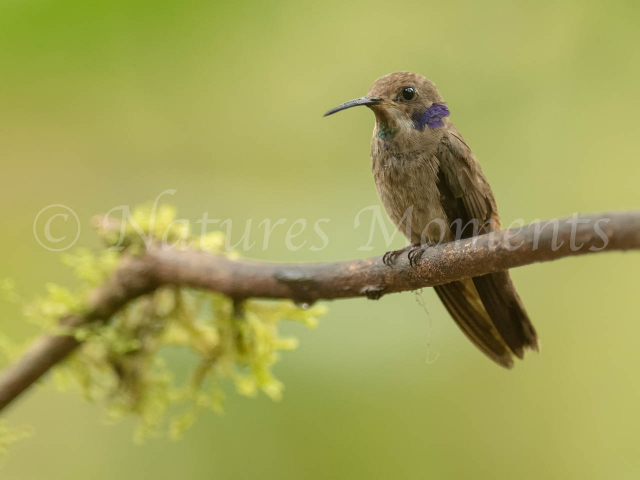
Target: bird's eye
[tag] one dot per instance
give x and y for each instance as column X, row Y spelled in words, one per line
column 408, row 93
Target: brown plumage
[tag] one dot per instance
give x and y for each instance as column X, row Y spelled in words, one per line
column 433, row 189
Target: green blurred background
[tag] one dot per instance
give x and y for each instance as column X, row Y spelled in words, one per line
column 107, row 103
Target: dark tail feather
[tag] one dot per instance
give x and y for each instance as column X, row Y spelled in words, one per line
column 464, row 305
column 505, row 308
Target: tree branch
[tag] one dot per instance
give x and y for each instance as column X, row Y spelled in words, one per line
column 309, row 282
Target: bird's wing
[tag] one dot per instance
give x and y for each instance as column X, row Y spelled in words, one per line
column 488, row 309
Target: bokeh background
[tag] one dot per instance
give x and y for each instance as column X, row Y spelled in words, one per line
column 109, row 103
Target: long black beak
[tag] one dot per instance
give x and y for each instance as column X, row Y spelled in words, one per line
column 355, row 103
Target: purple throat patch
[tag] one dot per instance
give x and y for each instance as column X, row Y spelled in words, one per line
column 431, row 117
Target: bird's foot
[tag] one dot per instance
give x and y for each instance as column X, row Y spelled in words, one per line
column 415, row 254
column 391, row 256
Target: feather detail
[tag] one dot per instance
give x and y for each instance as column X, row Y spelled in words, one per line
column 431, row 117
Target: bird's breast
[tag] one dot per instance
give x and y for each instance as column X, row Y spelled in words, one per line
column 408, row 188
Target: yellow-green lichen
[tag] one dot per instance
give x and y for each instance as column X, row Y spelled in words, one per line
column 166, row 356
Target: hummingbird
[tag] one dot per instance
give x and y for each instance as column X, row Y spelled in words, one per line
column 433, row 190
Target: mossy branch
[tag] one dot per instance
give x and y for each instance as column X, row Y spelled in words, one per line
column 138, row 275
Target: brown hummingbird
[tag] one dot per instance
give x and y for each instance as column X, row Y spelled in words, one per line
column 433, row 189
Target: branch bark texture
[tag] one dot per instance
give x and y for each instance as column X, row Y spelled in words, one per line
column 310, row 282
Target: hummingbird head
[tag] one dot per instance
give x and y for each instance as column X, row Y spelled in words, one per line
column 402, row 102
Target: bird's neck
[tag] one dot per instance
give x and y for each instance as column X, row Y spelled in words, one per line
column 386, row 132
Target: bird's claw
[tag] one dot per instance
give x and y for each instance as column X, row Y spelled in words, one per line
column 415, row 255
column 391, row 256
